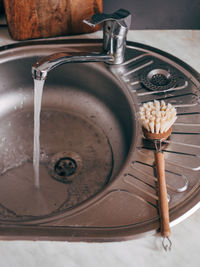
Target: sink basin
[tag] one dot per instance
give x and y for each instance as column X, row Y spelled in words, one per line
column 94, row 164
column 87, row 120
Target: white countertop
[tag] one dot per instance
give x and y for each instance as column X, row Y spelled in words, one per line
column 148, row 251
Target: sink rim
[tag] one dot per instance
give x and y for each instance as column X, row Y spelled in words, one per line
column 128, row 232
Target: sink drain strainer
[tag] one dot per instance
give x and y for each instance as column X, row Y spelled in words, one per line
column 159, row 79
column 65, row 166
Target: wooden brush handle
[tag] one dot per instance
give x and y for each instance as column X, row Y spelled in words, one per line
column 162, row 191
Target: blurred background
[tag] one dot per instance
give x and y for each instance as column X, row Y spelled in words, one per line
column 156, row 14
column 159, row 14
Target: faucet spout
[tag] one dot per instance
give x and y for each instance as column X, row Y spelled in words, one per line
column 41, row 68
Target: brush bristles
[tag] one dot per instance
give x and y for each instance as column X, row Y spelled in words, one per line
column 157, row 117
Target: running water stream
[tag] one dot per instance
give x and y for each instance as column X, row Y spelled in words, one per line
column 38, row 90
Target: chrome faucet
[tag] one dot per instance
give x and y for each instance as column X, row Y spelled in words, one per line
column 115, row 28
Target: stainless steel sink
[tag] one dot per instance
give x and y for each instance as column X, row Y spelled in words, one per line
column 89, row 123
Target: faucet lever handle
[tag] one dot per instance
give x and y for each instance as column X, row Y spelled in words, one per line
column 115, row 28
column 122, row 16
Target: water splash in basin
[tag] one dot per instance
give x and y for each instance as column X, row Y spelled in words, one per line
column 59, row 131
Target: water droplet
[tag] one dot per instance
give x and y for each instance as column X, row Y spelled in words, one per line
column 43, row 157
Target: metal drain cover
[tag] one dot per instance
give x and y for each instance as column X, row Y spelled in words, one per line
column 158, row 79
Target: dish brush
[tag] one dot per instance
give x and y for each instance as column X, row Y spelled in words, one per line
column 157, row 119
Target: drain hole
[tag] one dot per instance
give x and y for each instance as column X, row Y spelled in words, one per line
column 159, row 80
column 65, row 167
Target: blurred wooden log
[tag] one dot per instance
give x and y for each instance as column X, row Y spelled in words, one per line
column 28, row 19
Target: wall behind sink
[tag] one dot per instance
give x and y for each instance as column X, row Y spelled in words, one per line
column 159, row 14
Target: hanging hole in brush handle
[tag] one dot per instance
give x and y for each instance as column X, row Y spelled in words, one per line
column 115, row 29
column 167, row 243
